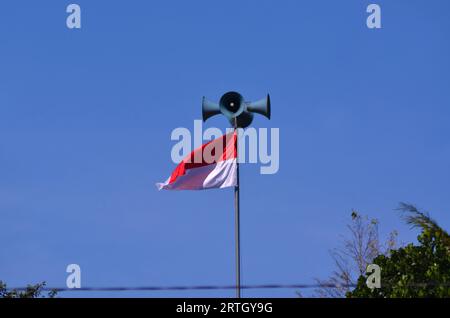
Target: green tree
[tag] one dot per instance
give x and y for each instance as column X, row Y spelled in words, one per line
column 31, row 291
column 421, row 270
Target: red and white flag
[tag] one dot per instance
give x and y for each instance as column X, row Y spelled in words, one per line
column 213, row 165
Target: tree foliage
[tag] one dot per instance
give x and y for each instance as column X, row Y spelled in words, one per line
column 421, row 270
column 31, row 291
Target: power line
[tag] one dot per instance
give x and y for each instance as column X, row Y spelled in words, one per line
column 223, row 287
column 181, row 288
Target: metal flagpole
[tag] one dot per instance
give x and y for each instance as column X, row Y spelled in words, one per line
column 237, row 219
column 233, row 106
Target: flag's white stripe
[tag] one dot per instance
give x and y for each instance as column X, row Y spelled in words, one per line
column 224, row 175
column 219, row 175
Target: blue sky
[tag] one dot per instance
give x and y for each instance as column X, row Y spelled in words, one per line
column 86, row 117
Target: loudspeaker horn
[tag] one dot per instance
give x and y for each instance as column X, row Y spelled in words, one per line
column 209, row 109
column 232, row 104
column 261, row 106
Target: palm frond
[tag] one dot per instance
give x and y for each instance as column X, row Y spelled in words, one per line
column 420, row 219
